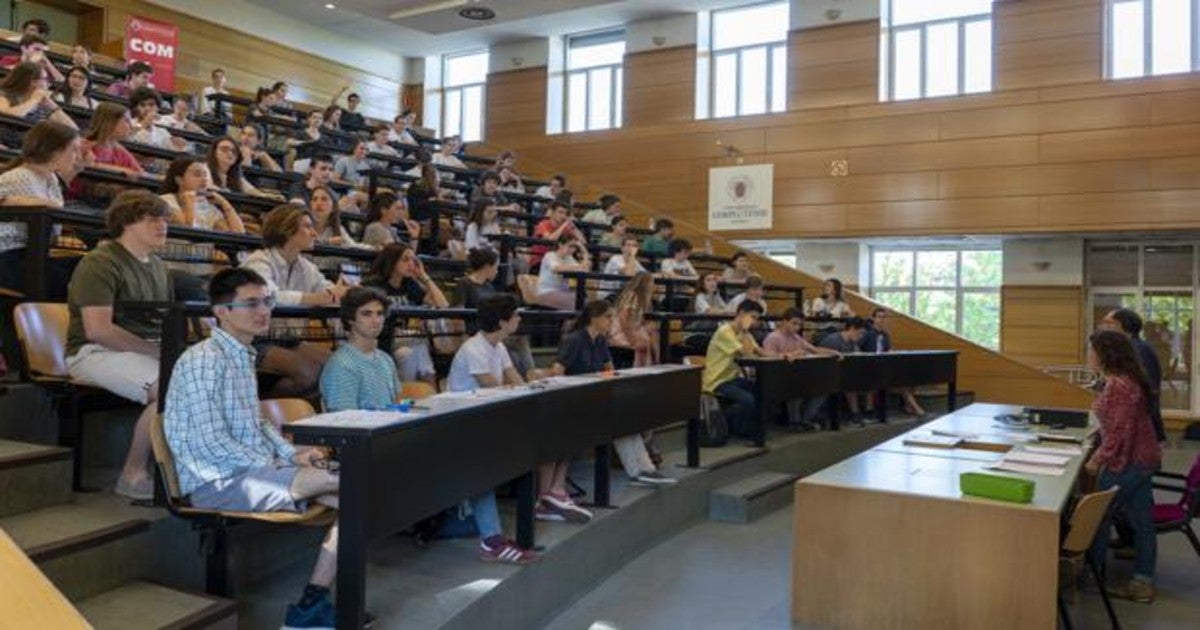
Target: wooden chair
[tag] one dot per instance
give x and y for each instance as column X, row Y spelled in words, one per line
column 1090, row 512
column 281, row 411
column 416, row 390
column 41, row 329
column 214, row 524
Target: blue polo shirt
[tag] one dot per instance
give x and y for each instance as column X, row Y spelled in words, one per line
column 579, row 353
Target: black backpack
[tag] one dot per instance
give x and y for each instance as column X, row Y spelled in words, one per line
column 714, row 430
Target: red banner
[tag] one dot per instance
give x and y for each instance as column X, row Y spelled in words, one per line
column 155, row 43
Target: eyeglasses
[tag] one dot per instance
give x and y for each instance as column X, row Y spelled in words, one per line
column 251, row 305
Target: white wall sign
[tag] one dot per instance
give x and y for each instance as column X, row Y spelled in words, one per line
column 740, row 197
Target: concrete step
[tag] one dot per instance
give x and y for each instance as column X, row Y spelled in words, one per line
column 142, row 605
column 33, row 476
column 746, row 500
column 89, row 545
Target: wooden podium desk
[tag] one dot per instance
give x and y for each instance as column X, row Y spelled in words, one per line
column 885, row 539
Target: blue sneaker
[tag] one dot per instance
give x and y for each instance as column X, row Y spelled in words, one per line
column 320, row 615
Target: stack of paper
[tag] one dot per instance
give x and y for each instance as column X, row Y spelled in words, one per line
column 932, row 440
column 1033, row 463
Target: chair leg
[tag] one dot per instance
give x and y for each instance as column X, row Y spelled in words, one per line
column 1103, row 586
column 1191, row 535
column 1063, row 614
column 70, row 434
column 214, row 543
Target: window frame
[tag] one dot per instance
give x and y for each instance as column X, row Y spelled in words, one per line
column 461, row 90
column 912, row 288
column 768, row 47
column 616, row 78
column 888, row 53
column 1148, row 39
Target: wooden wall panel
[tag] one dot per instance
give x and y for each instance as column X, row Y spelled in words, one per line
column 834, row 65
column 660, row 86
column 1042, row 325
column 1048, row 42
column 251, row 62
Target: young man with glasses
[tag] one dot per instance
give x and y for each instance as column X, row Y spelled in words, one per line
column 227, row 456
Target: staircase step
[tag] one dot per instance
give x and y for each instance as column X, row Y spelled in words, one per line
column 142, row 605
column 746, row 500
column 33, row 476
column 87, row 546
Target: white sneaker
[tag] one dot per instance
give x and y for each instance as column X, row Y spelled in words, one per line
column 567, row 508
column 655, row 478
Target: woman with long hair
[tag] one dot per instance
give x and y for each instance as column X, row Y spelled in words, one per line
column 1128, row 455
column 484, row 220
column 386, row 213
column 708, row 296
column 25, row 93
column 553, row 290
column 327, row 219
column 831, row 303
column 332, row 118
column 399, row 273
column 629, row 327
column 74, row 90
column 186, row 188
column 225, row 163
column 49, row 150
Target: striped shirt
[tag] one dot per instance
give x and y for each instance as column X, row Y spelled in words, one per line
column 353, row 380
column 212, row 418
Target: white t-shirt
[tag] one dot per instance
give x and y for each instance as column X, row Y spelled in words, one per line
column 548, row 280
column 477, row 356
column 614, row 266
column 475, row 238
column 677, row 267
column 836, row 308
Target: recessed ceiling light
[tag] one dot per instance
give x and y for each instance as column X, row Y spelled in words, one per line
column 330, row 5
column 477, row 13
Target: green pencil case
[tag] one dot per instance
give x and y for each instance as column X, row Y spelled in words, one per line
column 996, row 487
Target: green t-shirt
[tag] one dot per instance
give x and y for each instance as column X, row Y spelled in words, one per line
column 108, row 276
column 720, row 363
column 655, row 246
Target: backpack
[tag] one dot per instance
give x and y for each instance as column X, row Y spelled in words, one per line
column 714, row 429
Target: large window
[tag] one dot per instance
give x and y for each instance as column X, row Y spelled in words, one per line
column 594, row 80
column 1158, row 280
column 464, row 78
column 935, row 48
column 749, row 60
column 1147, row 37
column 957, row 290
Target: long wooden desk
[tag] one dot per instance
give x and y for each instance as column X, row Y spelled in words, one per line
column 397, row 471
column 885, row 539
column 776, row 380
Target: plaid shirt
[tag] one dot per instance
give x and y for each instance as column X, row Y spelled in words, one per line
column 212, row 418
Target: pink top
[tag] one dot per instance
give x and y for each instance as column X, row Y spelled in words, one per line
column 1126, row 432
column 784, row 342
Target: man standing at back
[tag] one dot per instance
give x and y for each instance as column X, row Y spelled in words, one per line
column 117, row 349
column 1129, row 322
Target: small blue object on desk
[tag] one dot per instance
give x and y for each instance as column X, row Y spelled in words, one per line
column 402, row 405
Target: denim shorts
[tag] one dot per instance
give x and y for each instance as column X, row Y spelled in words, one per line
column 264, row 489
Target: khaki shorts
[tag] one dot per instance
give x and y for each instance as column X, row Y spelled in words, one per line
column 127, row 374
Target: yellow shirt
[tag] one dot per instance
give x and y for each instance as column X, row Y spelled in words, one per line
column 720, row 363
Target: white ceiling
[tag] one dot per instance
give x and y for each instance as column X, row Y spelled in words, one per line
column 441, row 30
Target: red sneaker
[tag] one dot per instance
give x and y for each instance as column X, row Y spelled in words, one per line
column 500, row 549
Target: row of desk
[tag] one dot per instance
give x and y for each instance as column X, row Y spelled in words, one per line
column 885, row 539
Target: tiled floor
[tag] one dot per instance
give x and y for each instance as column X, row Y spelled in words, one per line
column 722, row 576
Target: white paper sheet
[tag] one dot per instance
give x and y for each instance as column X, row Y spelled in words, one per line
column 1055, row 450
column 1028, row 469
column 1039, row 459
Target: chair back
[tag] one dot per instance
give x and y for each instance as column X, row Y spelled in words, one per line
column 1086, row 519
column 1191, row 493
column 165, row 460
column 42, row 332
column 694, row 360
column 527, row 284
column 416, row 390
column 281, row 411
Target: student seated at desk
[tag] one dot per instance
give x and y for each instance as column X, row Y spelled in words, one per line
column 48, row 150
column 676, row 264
column 116, row 349
column 225, row 163
column 400, row 274
column 722, row 375
column 101, row 148
column 831, row 303
column 75, row 90
column 738, row 271
column 630, row 331
column 847, row 341
column 1128, row 455
column 143, row 103
column 482, row 361
column 877, row 339
column 327, row 219
column 753, row 292
column 709, row 300
column 656, row 244
column 553, row 290
column 610, row 206
column 557, row 223
column 788, row 340
column 186, row 189
column 227, row 457
column 478, row 284
column 347, row 168
column 293, row 279
column 616, row 236
column 137, row 75
column 626, row 263
column 584, row 350
column 379, row 144
column 448, row 154
column 359, row 375
column 387, row 222
column 206, row 105
column 483, row 221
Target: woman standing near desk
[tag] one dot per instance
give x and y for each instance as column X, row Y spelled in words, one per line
column 1128, row 455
